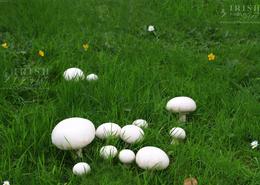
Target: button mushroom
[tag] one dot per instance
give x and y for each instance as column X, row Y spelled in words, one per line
column 131, row 134
column 152, row 158
column 108, row 152
column 182, row 105
column 178, row 134
column 108, row 130
column 73, row 74
column 92, row 77
column 140, row 123
column 81, row 168
column 126, row 156
column 73, row 134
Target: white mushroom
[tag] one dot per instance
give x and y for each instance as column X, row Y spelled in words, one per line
column 182, row 105
column 151, row 157
column 140, row 123
column 126, row 156
column 73, row 134
column 92, row 77
column 177, row 134
column 108, row 152
column 151, row 28
column 107, row 130
column 73, row 74
column 81, row 168
column 131, row 134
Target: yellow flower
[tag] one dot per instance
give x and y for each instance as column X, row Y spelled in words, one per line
column 41, row 53
column 85, row 46
column 5, row 45
column 211, row 57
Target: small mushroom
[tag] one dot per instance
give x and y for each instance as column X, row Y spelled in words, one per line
column 182, row 105
column 92, row 77
column 73, row 74
column 152, row 158
column 178, row 134
column 190, row 181
column 140, row 123
column 131, row 134
column 107, row 130
column 126, row 156
column 73, row 134
column 108, row 152
column 81, row 168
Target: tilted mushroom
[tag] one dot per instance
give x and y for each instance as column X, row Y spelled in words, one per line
column 73, row 134
column 182, row 105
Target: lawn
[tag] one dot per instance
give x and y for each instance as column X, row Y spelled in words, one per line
column 139, row 71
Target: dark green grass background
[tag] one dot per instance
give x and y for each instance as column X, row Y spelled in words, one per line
column 138, row 72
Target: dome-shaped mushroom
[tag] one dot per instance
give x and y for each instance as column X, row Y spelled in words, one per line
column 73, row 74
column 126, row 156
column 131, row 134
column 182, row 105
column 73, row 134
column 140, row 123
column 108, row 129
column 178, row 134
column 108, row 152
column 92, row 77
column 81, row 168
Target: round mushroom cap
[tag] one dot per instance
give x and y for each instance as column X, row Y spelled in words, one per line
column 92, row 77
column 126, row 156
column 140, row 123
column 181, row 104
column 73, row 74
column 108, row 129
column 81, row 168
column 178, row 133
column 152, row 158
column 73, row 133
column 108, row 151
column 131, row 134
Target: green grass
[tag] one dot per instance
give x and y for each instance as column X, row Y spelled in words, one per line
column 137, row 71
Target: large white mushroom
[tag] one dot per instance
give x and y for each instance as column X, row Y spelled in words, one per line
column 108, row 152
column 182, row 105
column 73, row 134
column 178, row 134
column 126, row 156
column 140, row 123
column 81, row 168
column 73, row 74
column 92, row 77
column 107, row 130
column 131, row 134
column 152, row 158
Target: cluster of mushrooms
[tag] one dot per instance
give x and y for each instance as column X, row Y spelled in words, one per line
column 75, row 73
column 76, row 133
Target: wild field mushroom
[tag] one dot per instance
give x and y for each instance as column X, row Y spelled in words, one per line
column 126, row 156
column 73, row 134
column 131, row 134
column 152, row 158
column 92, row 77
column 178, row 134
column 81, row 168
column 140, row 123
column 182, row 105
column 108, row 152
column 190, row 181
column 73, row 74
column 108, row 130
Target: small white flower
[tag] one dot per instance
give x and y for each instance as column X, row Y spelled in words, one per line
column 151, row 28
column 254, row 144
column 6, row 183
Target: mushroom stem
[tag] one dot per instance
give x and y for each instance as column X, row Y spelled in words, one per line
column 79, row 153
column 182, row 117
column 174, row 141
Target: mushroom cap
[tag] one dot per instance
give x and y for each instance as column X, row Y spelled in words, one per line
column 73, row 133
column 126, row 156
column 92, row 77
column 108, row 129
column 73, row 74
column 190, row 181
column 108, row 151
column 151, row 157
column 178, row 133
column 81, row 168
column 140, row 123
column 131, row 134
column 181, row 104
